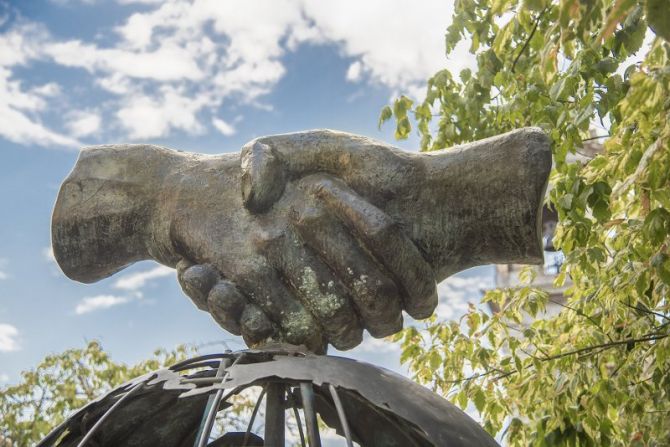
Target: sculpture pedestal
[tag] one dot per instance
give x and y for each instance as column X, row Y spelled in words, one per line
column 362, row 403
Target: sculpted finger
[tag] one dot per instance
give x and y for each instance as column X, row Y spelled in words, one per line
column 196, row 281
column 255, row 326
column 374, row 294
column 296, row 325
column 224, row 301
column 317, row 288
column 263, row 177
column 269, row 162
column 384, row 239
column 226, row 305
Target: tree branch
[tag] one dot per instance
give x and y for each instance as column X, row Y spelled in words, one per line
column 647, row 311
column 530, row 36
column 596, row 138
column 586, row 349
column 644, row 162
column 582, row 314
column 606, row 345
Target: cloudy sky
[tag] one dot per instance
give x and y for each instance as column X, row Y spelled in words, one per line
column 203, row 76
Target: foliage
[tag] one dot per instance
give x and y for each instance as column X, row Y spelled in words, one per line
column 596, row 373
column 64, row 382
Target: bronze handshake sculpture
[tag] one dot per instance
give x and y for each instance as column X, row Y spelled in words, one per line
column 306, row 238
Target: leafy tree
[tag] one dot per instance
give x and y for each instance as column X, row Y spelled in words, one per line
column 598, row 372
column 64, row 382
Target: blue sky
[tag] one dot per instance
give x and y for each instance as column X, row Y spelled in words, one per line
column 198, row 76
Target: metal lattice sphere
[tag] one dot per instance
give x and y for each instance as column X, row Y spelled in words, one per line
column 271, row 397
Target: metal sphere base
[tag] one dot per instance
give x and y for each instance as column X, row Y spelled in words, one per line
column 178, row 406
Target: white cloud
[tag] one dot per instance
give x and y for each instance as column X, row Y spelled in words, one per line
column 167, row 63
column 49, row 89
column 18, row 128
column 48, row 254
column 3, row 265
column 171, row 65
column 395, row 44
column 4, row 378
column 148, row 2
column 463, row 287
column 99, row 302
column 377, row 345
column 135, row 281
column 21, row 43
column 8, row 338
column 354, row 72
column 150, row 117
column 73, row 2
column 457, row 291
column 19, row 107
column 83, row 123
column 131, row 283
column 223, row 127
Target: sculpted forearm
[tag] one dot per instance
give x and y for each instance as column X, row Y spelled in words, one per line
column 481, row 203
column 105, row 217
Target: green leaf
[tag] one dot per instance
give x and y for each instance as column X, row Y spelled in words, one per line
column 658, row 16
column 384, row 116
column 479, row 400
column 400, row 108
column 565, row 201
column 657, row 225
column 607, row 65
column 616, row 15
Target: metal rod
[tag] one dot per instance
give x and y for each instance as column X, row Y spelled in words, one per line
column 189, row 362
column 296, row 413
column 210, row 409
column 253, row 416
column 202, row 380
column 307, row 395
column 340, row 413
column 213, row 402
column 274, row 414
column 102, row 419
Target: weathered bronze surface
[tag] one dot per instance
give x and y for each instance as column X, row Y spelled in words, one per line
column 171, row 404
column 307, row 238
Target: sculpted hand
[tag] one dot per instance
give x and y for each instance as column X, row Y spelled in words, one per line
column 419, row 217
column 261, row 276
column 470, row 205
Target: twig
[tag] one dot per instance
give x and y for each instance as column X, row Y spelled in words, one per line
column 644, row 162
column 600, row 347
column 596, row 138
column 530, row 36
column 646, row 310
column 606, row 345
column 582, row 314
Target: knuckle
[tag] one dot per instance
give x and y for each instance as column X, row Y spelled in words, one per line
column 224, row 297
column 183, row 265
column 424, row 303
column 308, row 217
column 255, row 324
column 350, row 339
column 383, row 327
column 381, row 228
column 201, row 277
column 196, row 282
